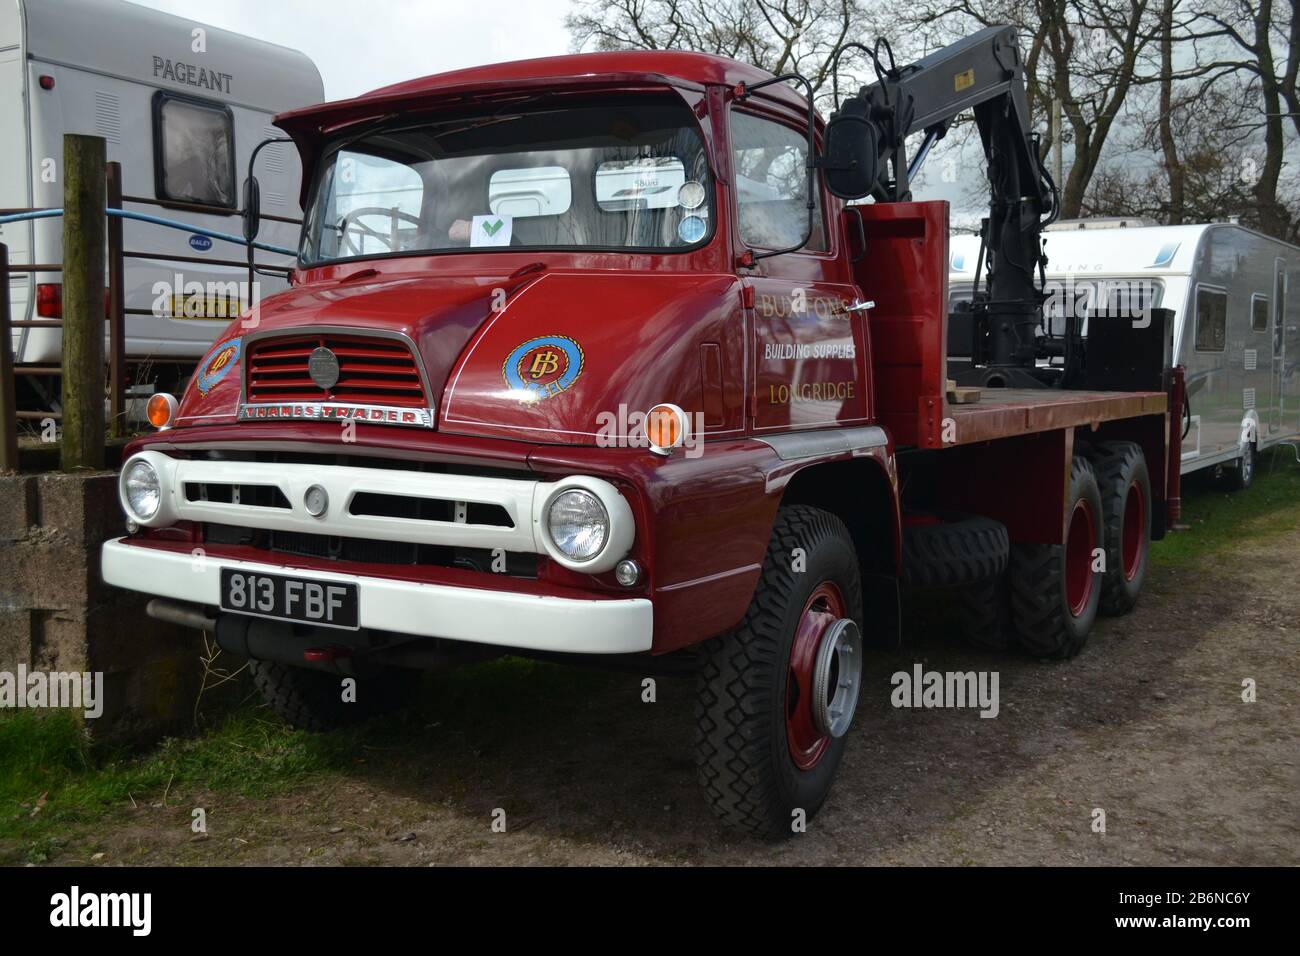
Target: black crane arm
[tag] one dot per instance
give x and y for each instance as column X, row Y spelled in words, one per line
column 865, row 155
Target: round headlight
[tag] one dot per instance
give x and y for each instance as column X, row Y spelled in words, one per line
column 143, row 490
column 578, row 524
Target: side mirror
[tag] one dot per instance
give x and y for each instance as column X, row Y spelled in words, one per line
column 252, row 208
column 851, row 163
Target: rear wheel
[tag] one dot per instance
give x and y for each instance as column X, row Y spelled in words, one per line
column 1126, row 516
column 776, row 695
column 986, row 613
column 1055, row 590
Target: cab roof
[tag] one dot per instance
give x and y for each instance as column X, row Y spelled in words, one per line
column 674, row 68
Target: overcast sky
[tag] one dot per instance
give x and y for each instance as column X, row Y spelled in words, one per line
column 360, row 45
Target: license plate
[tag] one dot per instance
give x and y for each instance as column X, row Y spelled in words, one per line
column 301, row 600
column 198, row 306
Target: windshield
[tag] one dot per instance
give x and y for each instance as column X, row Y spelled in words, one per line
column 612, row 174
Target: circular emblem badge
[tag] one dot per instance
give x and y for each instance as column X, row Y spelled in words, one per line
column 218, row 366
column 543, row 367
column 323, row 367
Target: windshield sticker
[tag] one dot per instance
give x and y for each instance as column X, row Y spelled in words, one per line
column 218, row 366
column 491, row 230
column 543, row 367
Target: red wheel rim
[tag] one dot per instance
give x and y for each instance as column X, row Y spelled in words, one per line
column 1079, row 544
column 807, row 744
column 1135, row 529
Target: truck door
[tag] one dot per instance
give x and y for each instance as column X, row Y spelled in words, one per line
column 1278, row 411
column 808, row 352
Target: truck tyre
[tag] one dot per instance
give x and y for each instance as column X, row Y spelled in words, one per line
column 956, row 550
column 761, row 752
column 1125, row 485
column 986, row 613
column 1054, row 589
column 313, row 700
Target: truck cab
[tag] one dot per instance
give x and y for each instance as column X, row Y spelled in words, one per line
column 582, row 358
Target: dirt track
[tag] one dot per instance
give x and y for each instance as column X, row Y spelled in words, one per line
column 1147, row 724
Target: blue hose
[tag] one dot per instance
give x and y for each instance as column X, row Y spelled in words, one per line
column 157, row 221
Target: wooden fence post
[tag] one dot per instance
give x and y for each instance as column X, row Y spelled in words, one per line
column 116, row 308
column 8, row 401
column 84, row 196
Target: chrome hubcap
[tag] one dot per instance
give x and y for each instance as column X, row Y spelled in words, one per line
column 837, row 678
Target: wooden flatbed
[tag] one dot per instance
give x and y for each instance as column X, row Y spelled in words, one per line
column 1008, row 412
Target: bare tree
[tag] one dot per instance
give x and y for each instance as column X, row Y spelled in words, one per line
column 1088, row 55
column 1176, row 109
column 1256, row 46
column 782, row 36
column 1175, row 171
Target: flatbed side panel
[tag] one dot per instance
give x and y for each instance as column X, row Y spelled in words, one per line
column 905, row 272
column 1020, row 481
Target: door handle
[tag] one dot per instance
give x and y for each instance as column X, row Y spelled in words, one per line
column 857, row 305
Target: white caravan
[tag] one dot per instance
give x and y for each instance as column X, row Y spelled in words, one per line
column 1236, row 325
column 182, row 106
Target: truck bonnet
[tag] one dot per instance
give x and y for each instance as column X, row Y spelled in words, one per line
column 550, row 358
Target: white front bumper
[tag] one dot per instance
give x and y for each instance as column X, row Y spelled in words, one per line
column 523, row 501
column 526, row 621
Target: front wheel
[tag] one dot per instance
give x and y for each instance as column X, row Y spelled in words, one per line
column 777, row 694
column 315, row 700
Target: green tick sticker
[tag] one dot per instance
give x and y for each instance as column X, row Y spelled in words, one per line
column 491, row 229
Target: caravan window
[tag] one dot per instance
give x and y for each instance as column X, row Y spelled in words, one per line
column 1128, row 298
column 539, row 191
column 651, row 182
column 1211, row 319
column 194, row 151
column 1259, row 313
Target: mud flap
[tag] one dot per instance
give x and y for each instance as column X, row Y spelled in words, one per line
column 882, row 607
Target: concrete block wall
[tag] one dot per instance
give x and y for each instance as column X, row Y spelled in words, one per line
column 57, row 615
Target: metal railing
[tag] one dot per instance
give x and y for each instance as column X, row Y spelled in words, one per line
column 115, row 311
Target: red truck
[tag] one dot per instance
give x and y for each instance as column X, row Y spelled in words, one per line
column 630, row 356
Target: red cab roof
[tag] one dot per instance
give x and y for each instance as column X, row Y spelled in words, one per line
column 633, row 67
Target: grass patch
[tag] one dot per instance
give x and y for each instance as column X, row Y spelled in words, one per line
column 1218, row 520
column 52, row 776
